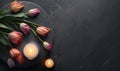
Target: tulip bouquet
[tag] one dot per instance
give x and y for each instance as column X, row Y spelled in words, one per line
column 13, row 28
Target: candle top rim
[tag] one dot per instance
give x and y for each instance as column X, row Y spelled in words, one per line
column 31, row 50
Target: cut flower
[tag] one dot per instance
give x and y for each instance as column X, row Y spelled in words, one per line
column 16, row 6
column 33, row 12
column 42, row 30
column 25, row 28
column 15, row 37
column 47, row 45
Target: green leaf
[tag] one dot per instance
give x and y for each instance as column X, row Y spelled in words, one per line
column 7, row 24
column 36, row 35
column 3, row 40
column 7, row 39
column 3, row 12
column 2, row 45
column 14, row 25
column 14, row 17
column 20, row 15
column 1, row 16
column 5, row 28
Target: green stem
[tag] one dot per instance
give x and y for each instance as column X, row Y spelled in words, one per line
column 14, row 26
column 26, row 13
column 36, row 35
column 33, row 24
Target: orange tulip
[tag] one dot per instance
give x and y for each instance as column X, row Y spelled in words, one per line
column 16, row 6
column 42, row 30
column 16, row 54
column 20, row 59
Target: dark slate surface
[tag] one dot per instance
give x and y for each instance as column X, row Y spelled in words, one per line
column 87, row 35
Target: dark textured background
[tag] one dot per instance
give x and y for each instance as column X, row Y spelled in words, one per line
column 87, row 35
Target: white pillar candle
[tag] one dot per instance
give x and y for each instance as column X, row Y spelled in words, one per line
column 31, row 50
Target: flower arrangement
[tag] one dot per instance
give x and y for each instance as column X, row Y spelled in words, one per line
column 13, row 28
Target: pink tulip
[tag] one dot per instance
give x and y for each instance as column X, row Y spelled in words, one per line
column 15, row 37
column 25, row 28
column 16, row 54
column 33, row 12
column 47, row 45
column 16, row 6
column 42, row 30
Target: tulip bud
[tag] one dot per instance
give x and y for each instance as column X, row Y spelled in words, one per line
column 10, row 63
column 15, row 37
column 47, row 45
column 43, row 31
column 33, row 12
column 16, row 6
column 25, row 28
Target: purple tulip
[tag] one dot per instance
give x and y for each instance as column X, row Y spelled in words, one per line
column 25, row 28
column 33, row 12
column 47, row 45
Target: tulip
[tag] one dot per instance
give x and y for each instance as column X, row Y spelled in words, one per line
column 42, row 30
column 10, row 63
column 15, row 37
column 16, row 54
column 20, row 59
column 25, row 28
column 33, row 12
column 47, row 45
column 16, row 6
